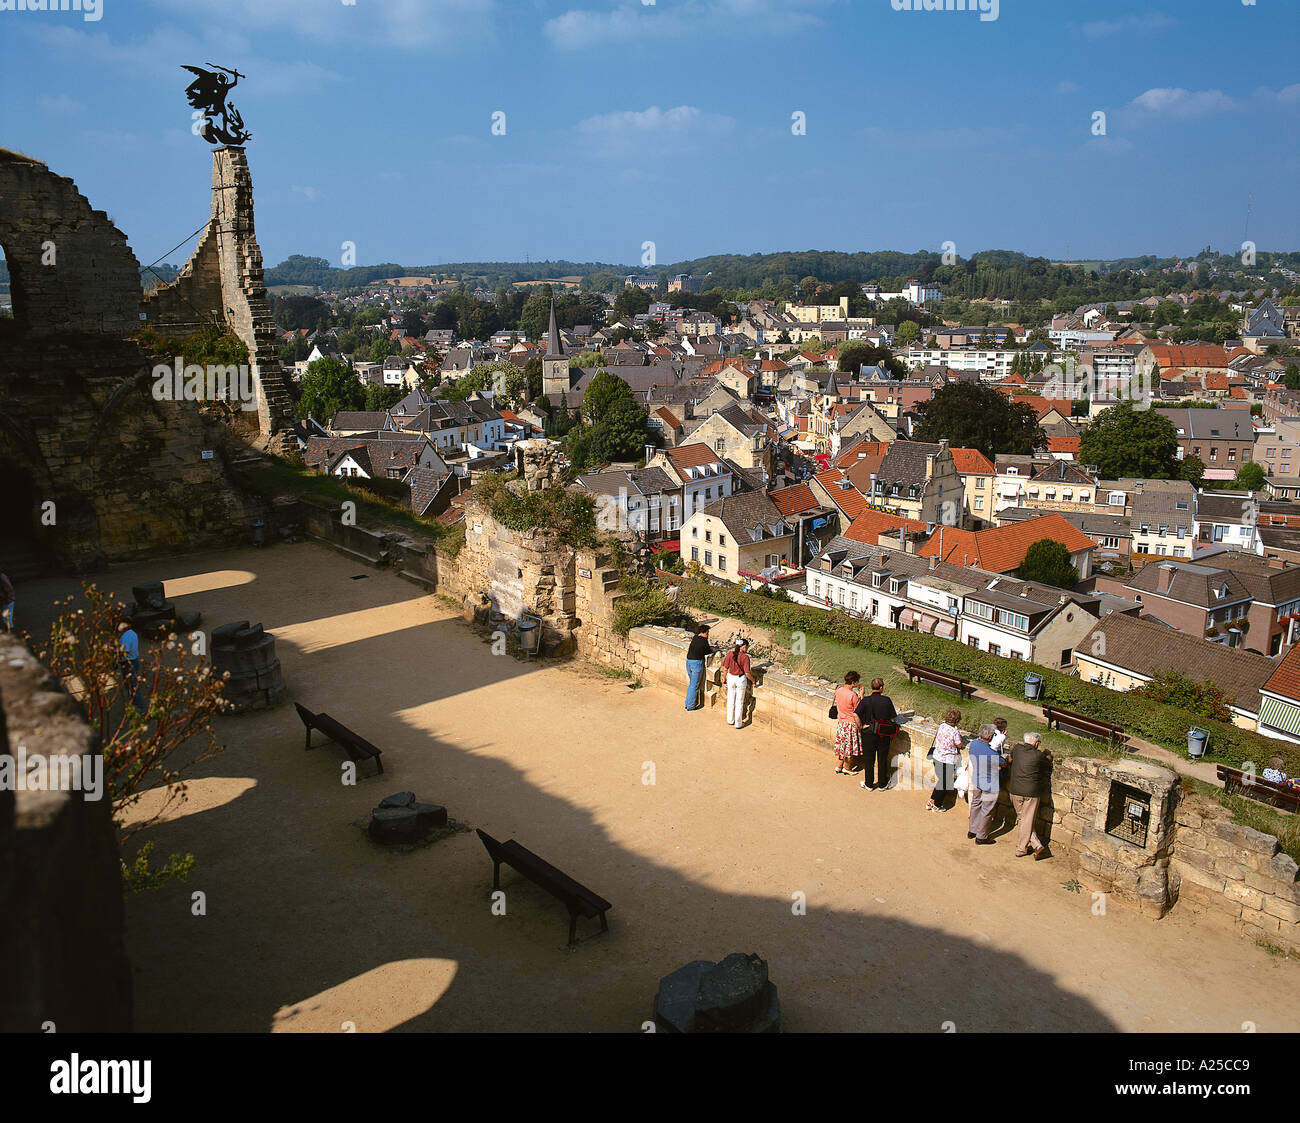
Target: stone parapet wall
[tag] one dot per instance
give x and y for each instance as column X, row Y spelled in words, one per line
column 60, row 876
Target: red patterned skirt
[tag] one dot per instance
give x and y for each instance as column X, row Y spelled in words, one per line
column 848, row 740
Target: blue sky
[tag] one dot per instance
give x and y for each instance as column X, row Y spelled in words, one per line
column 671, row 122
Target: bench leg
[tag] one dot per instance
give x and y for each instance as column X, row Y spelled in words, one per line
column 307, row 742
column 604, row 924
column 573, row 928
column 496, row 874
column 380, row 765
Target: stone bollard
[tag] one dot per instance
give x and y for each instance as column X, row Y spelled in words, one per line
column 248, row 653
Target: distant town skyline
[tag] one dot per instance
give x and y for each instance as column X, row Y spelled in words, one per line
column 425, row 132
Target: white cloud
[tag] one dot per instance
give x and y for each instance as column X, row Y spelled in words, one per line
column 1150, row 21
column 682, row 120
column 398, row 23
column 60, row 104
column 312, row 194
column 627, row 20
column 1177, row 102
column 1067, row 87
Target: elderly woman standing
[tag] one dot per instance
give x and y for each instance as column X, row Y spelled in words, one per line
column 848, row 726
column 947, row 759
column 985, row 764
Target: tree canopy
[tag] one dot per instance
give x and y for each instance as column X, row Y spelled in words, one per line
column 1123, row 441
column 329, row 386
column 1047, row 561
column 972, row 415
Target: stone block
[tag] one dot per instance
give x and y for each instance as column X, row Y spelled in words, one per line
column 1247, row 897
column 1234, row 871
column 1246, row 837
column 1191, row 875
column 1282, row 909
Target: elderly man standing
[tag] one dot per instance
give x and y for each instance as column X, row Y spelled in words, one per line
column 696, row 656
column 1028, row 781
column 985, row 764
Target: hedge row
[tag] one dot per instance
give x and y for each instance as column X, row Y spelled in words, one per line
column 1163, row 724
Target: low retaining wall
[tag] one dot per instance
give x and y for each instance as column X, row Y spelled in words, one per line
column 1190, row 851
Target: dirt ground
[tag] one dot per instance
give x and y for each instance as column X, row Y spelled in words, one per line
column 904, row 924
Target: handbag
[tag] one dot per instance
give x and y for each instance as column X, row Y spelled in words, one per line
column 835, row 711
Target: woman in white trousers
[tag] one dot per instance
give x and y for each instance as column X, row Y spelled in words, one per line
column 739, row 676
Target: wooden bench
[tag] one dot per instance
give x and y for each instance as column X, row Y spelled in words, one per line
column 1257, row 788
column 357, row 747
column 578, row 899
column 961, row 686
column 1058, row 718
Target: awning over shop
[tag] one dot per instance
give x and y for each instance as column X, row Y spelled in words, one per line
column 928, row 622
column 945, row 629
column 905, row 618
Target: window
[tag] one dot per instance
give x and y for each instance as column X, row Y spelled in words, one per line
column 1015, row 654
column 875, row 609
column 708, row 557
column 1232, row 454
column 817, row 588
column 1179, row 552
column 1286, row 454
column 1033, row 493
column 853, row 600
column 722, row 539
column 979, row 482
column 979, row 502
column 1269, row 452
column 1164, row 529
column 695, row 553
column 1218, row 533
column 1067, row 655
column 1286, row 469
column 1068, row 495
column 973, row 641
column 1182, row 532
column 839, row 594
column 995, row 649
column 708, row 494
column 708, row 536
column 876, row 579
column 1146, row 528
column 1013, row 620
column 1110, row 543
column 722, row 562
column 1115, row 499
column 1214, row 452
column 1085, row 496
column 720, row 445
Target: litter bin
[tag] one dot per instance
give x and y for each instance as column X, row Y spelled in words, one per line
column 1033, row 686
column 528, row 637
column 257, row 532
column 1198, row 741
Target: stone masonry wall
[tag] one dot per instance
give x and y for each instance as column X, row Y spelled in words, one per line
column 60, row 876
column 70, row 269
column 225, row 275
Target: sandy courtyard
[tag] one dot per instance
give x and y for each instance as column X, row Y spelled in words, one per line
column 309, row 926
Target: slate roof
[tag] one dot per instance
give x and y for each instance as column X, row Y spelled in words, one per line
column 359, row 419
column 1147, row 647
column 748, row 516
column 1189, row 583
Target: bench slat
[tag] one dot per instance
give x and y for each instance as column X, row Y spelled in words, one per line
column 557, row 881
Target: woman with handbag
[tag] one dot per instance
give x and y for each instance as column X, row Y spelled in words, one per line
column 879, row 725
column 848, row 726
column 947, row 758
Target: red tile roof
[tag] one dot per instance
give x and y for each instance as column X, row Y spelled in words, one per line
column 1064, row 444
column 970, row 461
column 1286, row 679
column 1189, row 355
column 791, row 500
column 871, row 524
column 848, row 499
column 1003, row 548
column 669, row 416
column 860, row 451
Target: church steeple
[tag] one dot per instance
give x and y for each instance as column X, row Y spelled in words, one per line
column 555, row 367
column 554, row 349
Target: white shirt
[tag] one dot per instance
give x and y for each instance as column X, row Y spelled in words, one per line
column 997, row 741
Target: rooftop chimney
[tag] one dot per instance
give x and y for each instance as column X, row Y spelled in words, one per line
column 1164, row 578
column 934, row 562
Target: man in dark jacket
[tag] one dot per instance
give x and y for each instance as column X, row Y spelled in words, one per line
column 1028, row 781
column 875, row 708
column 696, row 655
column 6, row 603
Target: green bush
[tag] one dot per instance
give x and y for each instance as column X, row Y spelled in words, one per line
column 569, row 516
column 643, row 602
column 1163, row 724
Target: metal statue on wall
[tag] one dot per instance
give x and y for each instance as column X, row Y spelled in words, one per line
column 222, row 123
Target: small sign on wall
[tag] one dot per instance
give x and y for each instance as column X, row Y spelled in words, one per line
column 584, row 573
column 478, row 528
column 207, row 454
